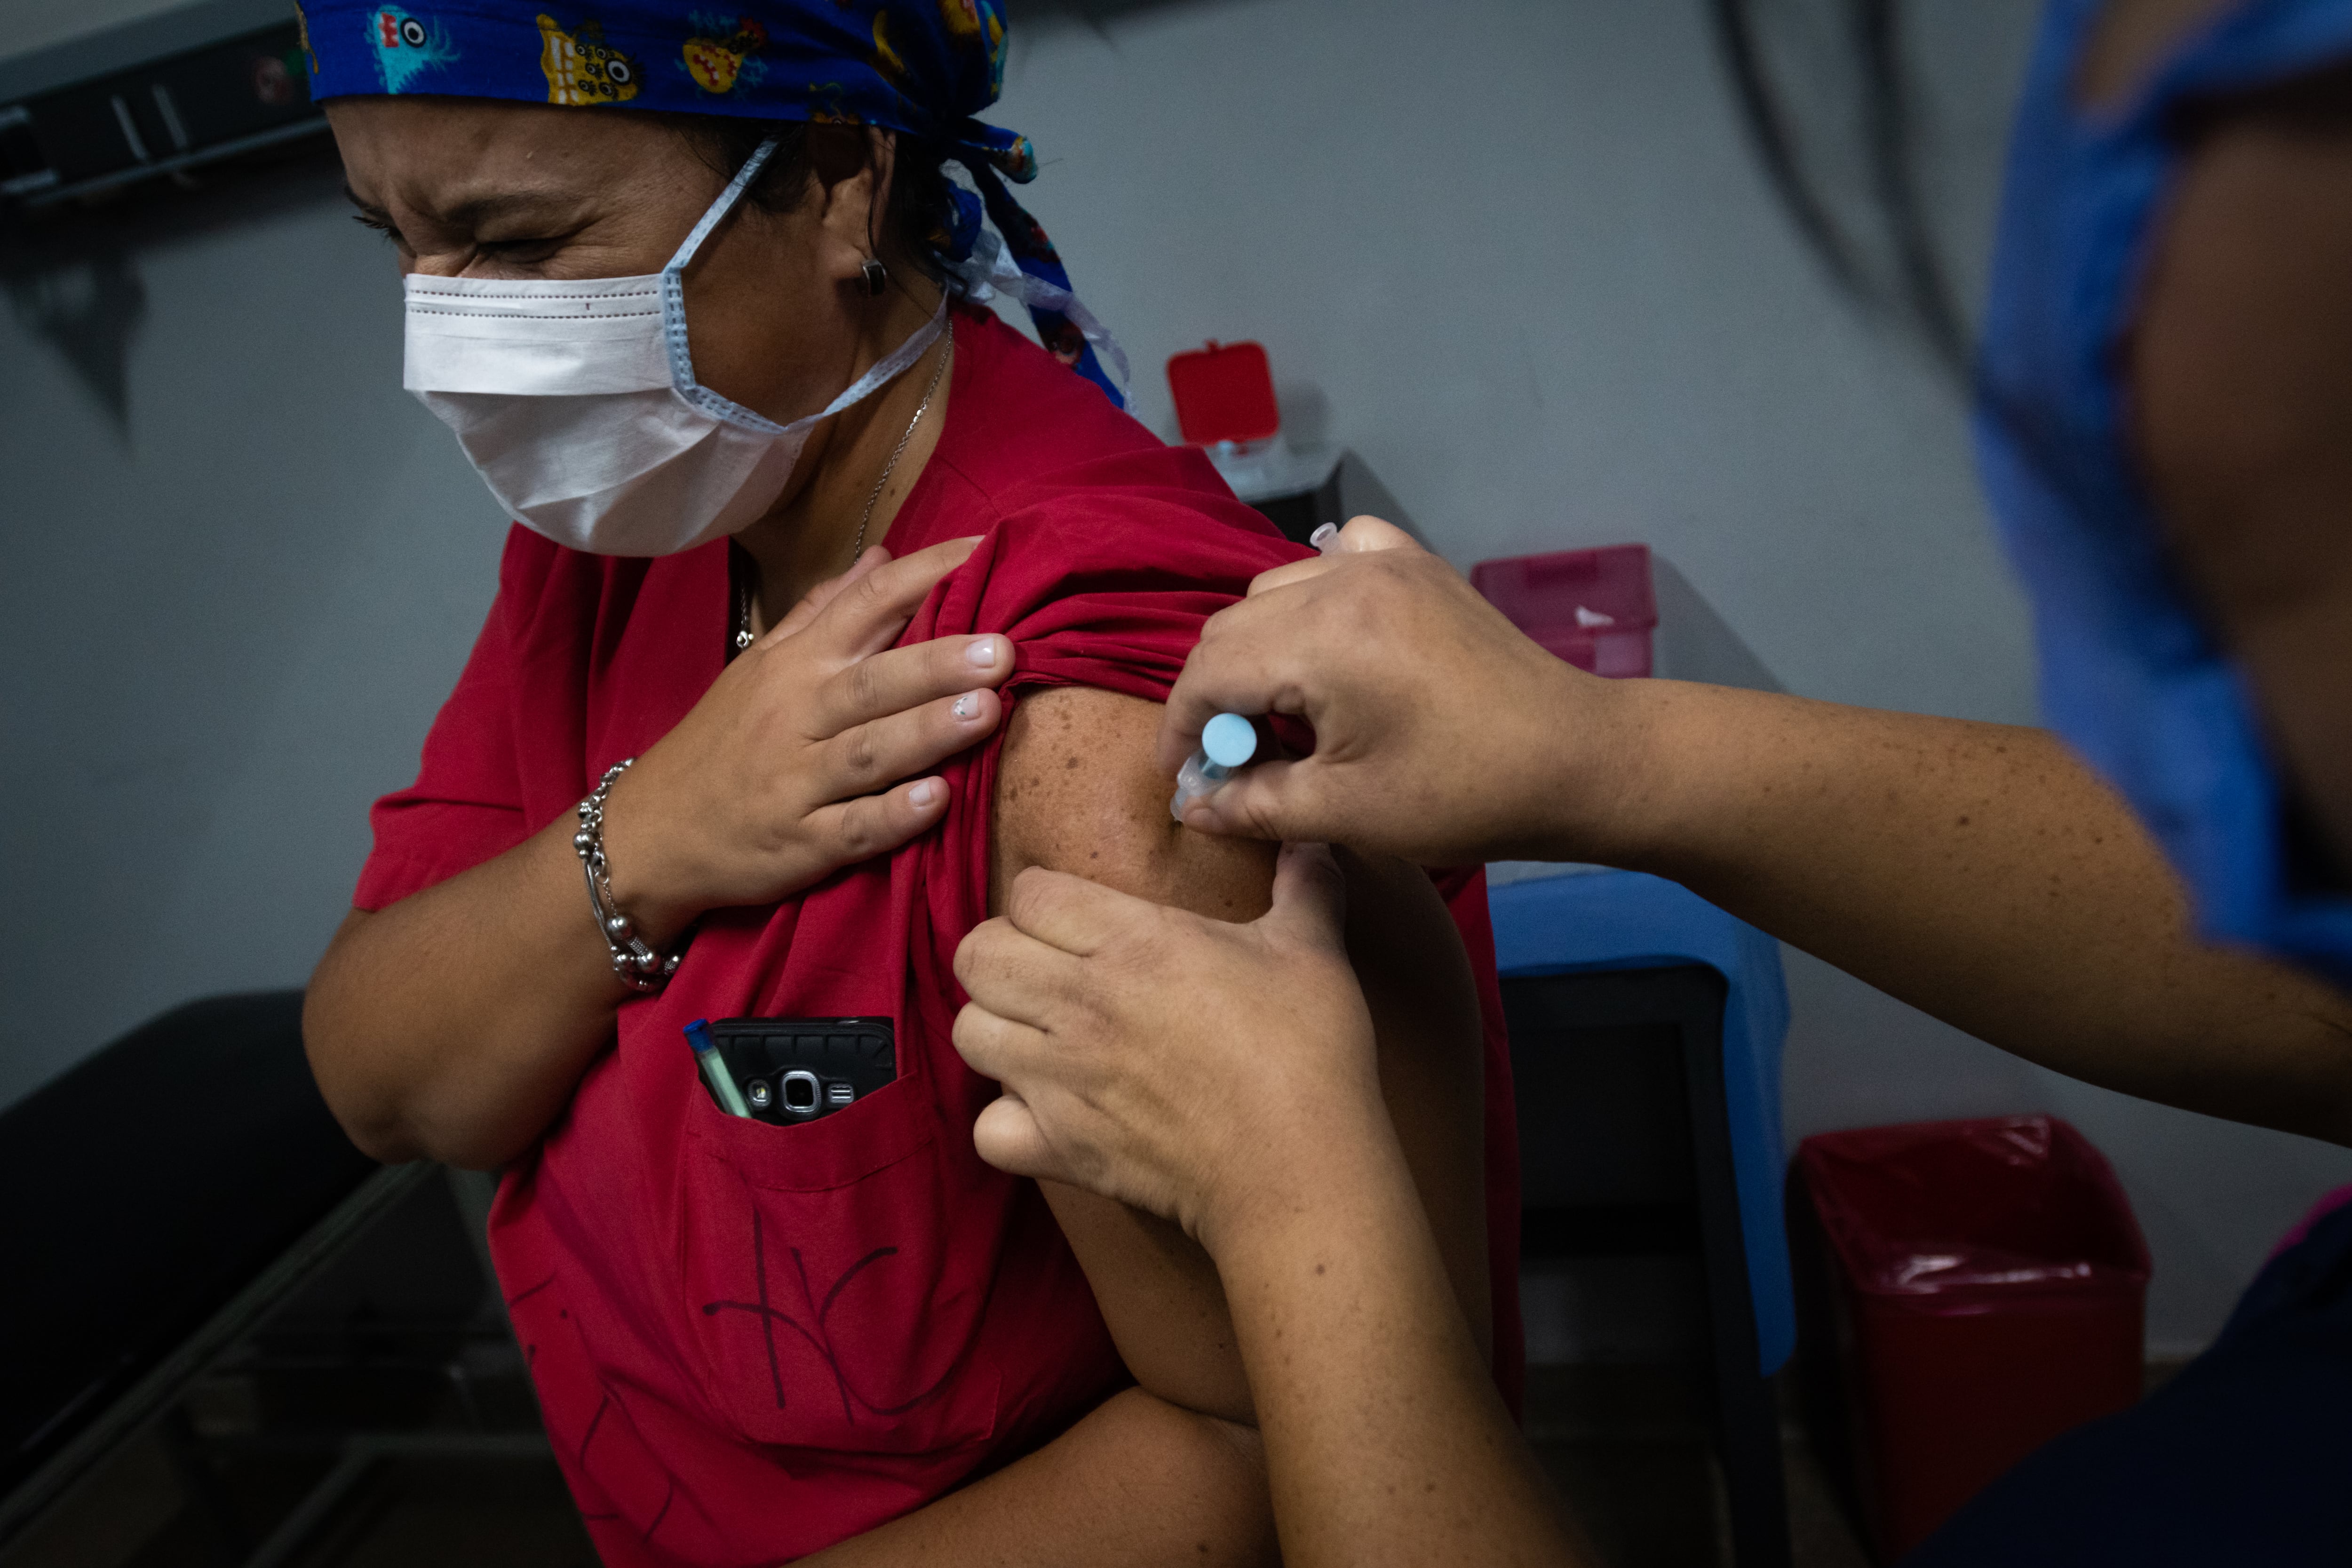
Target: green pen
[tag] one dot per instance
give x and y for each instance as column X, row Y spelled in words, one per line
column 714, row 1068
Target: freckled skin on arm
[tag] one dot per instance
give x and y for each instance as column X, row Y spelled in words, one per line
column 1076, row 791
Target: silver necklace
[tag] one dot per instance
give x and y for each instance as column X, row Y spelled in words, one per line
column 743, row 639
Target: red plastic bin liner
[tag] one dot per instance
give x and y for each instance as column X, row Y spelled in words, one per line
column 1592, row 607
column 1987, row 1285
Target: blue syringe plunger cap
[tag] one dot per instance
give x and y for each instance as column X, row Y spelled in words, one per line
column 1229, row 740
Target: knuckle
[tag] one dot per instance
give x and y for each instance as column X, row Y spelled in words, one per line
column 1153, row 930
column 1034, row 893
column 976, row 954
column 1257, row 815
column 859, row 758
column 873, row 590
column 861, row 835
column 864, row 680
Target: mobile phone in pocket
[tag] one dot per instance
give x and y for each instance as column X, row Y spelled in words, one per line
column 785, row 1071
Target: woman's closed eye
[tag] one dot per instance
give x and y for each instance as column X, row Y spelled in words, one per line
column 528, row 252
column 515, row 252
column 382, row 225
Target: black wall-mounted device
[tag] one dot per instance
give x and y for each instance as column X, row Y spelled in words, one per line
column 156, row 98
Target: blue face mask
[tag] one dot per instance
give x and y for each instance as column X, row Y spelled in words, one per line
column 2131, row 676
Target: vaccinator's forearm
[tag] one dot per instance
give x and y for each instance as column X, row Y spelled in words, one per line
column 1135, row 1484
column 1985, row 875
column 1386, row 1443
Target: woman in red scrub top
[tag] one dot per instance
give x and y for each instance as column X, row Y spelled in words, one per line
column 709, row 364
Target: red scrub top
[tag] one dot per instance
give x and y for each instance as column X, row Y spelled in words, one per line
column 751, row 1342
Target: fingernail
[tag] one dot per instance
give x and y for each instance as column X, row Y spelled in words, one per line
column 967, row 706
column 982, row 654
column 924, row 792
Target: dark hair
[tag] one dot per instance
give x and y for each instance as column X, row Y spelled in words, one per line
column 1852, row 190
column 1843, row 155
column 921, row 213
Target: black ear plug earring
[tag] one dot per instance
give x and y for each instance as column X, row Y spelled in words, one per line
column 876, row 277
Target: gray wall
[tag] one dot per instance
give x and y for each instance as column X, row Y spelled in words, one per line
column 27, row 26
column 243, row 567
column 1519, row 259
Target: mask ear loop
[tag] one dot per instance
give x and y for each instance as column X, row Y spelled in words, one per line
column 724, row 204
column 681, row 358
column 673, row 291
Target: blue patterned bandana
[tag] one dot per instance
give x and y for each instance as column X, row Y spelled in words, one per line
column 922, row 67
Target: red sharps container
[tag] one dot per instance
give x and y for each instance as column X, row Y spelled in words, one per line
column 1592, row 607
column 1970, row 1290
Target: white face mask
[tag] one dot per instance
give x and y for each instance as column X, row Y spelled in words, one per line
column 577, row 403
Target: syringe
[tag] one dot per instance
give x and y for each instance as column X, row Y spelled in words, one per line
column 1227, row 742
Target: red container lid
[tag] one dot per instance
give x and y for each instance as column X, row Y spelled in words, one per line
column 1224, row 393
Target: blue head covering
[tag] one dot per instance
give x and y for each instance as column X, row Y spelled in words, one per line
column 2130, row 674
column 922, row 66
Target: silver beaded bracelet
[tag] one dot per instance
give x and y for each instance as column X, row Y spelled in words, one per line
column 637, row 965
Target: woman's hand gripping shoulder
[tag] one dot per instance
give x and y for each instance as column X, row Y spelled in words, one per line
column 1077, row 790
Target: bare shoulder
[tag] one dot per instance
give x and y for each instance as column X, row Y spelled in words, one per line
column 1077, row 791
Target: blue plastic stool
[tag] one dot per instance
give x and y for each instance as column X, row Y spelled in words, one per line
column 1616, row 949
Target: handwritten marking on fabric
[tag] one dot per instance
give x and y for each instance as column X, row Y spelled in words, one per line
column 820, row 1336
column 598, row 1485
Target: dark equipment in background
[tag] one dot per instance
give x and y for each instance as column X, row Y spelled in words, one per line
column 158, row 99
column 1626, row 1153
column 236, row 1342
column 130, row 1226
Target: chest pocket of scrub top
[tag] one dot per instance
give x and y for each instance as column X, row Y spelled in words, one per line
column 836, row 1296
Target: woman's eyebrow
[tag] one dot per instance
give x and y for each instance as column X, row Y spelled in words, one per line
column 475, row 211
